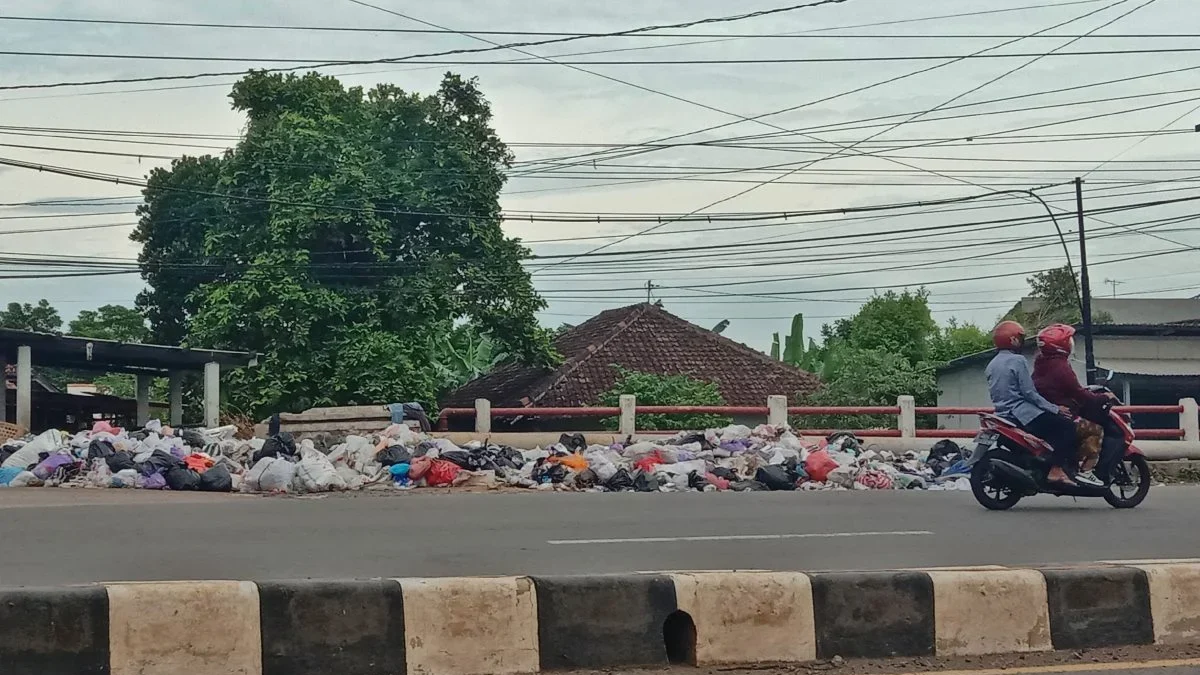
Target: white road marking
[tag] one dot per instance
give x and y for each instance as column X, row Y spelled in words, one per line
column 737, row 537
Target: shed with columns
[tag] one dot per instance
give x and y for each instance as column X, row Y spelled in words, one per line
column 27, row 349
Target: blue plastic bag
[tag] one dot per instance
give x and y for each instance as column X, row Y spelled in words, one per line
column 6, row 475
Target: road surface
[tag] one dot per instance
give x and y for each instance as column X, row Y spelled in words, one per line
column 50, row 536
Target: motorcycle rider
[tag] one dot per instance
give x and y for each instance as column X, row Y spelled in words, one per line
column 1056, row 381
column 1014, row 396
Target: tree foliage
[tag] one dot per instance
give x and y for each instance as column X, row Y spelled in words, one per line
column 651, row 389
column 343, row 233
column 1053, row 298
column 872, row 377
column 111, row 322
column 955, row 340
column 41, row 317
column 900, row 323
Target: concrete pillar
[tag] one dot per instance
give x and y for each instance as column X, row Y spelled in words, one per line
column 777, row 411
column 483, row 416
column 3, row 389
column 1189, row 420
column 142, row 396
column 908, row 416
column 25, row 388
column 212, row 395
column 628, row 415
column 176, row 399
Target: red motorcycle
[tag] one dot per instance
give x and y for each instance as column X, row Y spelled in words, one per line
column 1009, row 463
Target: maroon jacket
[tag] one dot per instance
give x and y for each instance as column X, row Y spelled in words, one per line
column 1057, row 383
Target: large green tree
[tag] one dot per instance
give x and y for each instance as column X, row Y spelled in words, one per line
column 111, row 322
column 899, row 323
column 343, row 232
column 1053, row 298
column 41, row 317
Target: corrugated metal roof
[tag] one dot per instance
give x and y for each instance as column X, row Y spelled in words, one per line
column 1160, row 367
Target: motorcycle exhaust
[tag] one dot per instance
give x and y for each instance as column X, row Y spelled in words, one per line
column 1013, row 477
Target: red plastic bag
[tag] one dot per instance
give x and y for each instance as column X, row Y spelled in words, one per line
column 714, row 479
column 648, row 462
column 818, row 465
column 442, row 473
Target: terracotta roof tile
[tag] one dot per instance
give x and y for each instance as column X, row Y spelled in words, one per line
column 641, row 337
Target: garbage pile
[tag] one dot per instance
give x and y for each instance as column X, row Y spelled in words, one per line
column 734, row 458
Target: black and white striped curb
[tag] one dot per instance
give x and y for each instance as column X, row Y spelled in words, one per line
column 503, row 625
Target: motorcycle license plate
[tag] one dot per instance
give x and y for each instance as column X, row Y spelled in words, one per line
column 985, row 437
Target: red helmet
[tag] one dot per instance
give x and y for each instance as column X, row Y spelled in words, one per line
column 1056, row 339
column 1008, row 335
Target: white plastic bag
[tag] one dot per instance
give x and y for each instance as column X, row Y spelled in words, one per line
column 278, row 476
column 47, row 442
column 125, row 478
column 24, row 479
column 316, row 473
column 735, row 432
column 254, row 476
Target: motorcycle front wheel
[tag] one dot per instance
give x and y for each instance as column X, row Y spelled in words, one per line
column 1131, row 483
column 991, row 497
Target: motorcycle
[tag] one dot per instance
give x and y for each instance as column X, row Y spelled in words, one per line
column 1009, row 463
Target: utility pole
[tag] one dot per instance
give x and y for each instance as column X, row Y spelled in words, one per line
column 650, row 286
column 1085, row 290
column 1114, row 283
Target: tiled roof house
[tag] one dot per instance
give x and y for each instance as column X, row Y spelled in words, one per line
column 644, row 338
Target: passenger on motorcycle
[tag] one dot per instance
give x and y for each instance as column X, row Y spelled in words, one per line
column 1014, row 396
column 1056, row 381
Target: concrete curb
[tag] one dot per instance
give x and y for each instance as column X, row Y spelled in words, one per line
column 512, row 625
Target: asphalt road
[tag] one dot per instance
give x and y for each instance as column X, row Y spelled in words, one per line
column 74, row 536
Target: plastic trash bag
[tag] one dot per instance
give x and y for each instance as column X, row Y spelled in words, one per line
column 193, row 438
column 279, row 445
column 30, row 453
column 775, row 477
column 872, row 479
column 396, row 454
column 442, row 473
column 574, row 461
column 818, row 465
column 128, row 478
column 461, row 458
column 645, row 482
column 99, row 475
column 56, row 460
column 160, row 462
column 574, row 442
column 842, row 476
column 254, row 475
column 317, row 474
column 748, row 486
column 419, row 467
column 620, row 481
column 100, row 449
column 278, row 476
column 25, row 479
column 716, row 481
column 587, row 479
column 735, row 432
column 6, row 475
column 120, row 461
column 216, row 479
column 155, row 481
column 182, row 478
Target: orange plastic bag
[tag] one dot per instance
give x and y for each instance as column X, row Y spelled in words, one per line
column 574, row 461
column 818, row 466
column 198, row 462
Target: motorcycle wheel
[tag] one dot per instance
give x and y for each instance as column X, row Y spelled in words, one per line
column 1134, row 472
column 990, row 497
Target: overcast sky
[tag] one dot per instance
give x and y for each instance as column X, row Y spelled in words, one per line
column 546, row 103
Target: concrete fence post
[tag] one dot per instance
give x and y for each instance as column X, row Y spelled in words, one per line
column 483, row 416
column 908, row 416
column 777, row 411
column 142, row 398
column 25, row 388
column 212, row 394
column 1189, row 420
column 628, row 425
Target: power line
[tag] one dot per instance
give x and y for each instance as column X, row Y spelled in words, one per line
column 343, row 62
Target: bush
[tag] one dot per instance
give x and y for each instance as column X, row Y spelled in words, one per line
column 653, row 389
column 870, row 377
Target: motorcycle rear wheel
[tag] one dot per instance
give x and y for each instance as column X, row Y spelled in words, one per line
column 1138, row 471
column 990, row 497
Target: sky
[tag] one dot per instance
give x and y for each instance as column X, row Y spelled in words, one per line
column 1128, row 139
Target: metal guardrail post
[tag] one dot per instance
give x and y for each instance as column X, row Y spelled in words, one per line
column 628, row 426
column 907, row 420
